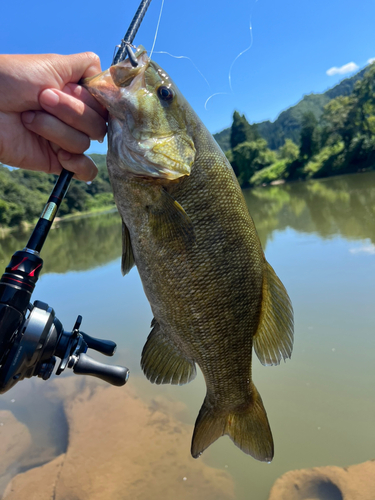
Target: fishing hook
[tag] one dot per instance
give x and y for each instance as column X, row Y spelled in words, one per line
column 126, row 43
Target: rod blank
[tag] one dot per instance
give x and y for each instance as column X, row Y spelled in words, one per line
column 132, row 31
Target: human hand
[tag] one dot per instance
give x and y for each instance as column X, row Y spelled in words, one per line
column 46, row 118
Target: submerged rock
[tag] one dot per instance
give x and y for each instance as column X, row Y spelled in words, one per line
column 120, row 447
column 15, row 440
column 39, row 483
column 327, row 483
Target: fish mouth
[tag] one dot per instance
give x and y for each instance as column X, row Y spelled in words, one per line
column 108, row 87
column 140, row 139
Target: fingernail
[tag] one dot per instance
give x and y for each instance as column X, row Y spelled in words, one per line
column 49, row 98
column 64, row 155
column 28, row 116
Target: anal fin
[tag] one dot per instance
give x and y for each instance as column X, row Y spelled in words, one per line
column 162, row 362
column 273, row 340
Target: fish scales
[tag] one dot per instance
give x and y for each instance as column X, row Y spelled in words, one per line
column 201, row 278
column 188, row 230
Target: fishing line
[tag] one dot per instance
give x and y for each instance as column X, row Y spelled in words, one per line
column 243, row 52
column 235, row 59
column 216, row 93
column 184, row 57
column 157, row 27
column 239, row 55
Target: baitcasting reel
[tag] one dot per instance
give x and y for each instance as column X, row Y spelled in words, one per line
column 41, row 337
column 31, row 337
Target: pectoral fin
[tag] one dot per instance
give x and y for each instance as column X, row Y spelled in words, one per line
column 169, row 222
column 127, row 261
column 162, row 362
column 274, row 337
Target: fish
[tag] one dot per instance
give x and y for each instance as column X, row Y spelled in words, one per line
column 186, row 227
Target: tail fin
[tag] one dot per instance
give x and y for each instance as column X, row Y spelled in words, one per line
column 248, row 428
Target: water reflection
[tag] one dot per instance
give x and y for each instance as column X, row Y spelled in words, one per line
column 73, row 245
column 338, row 206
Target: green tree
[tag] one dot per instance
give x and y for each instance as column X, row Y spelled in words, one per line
column 11, row 214
column 75, row 199
column 334, row 119
column 361, row 117
column 242, row 131
column 309, row 137
column 289, row 151
column 250, row 157
column 23, row 194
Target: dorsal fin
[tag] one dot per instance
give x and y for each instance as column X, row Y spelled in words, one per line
column 162, row 362
column 127, row 260
column 273, row 340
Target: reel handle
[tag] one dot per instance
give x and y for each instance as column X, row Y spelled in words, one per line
column 106, row 347
column 114, row 375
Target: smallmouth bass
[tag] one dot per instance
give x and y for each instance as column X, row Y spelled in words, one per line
column 187, row 229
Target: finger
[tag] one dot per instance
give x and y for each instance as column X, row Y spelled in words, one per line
column 55, row 147
column 77, row 92
column 73, row 112
column 76, row 66
column 84, row 95
column 51, row 128
column 83, row 166
column 36, row 153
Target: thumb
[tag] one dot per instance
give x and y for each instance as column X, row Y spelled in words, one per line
column 76, row 66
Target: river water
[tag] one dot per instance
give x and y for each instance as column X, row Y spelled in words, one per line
column 320, row 238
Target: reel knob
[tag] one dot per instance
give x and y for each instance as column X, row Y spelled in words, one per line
column 84, row 365
column 106, row 347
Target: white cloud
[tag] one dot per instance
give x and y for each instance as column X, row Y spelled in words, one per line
column 369, row 249
column 347, row 68
column 370, row 61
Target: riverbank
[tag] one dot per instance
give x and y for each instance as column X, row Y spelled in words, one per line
column 24, row 193
column 25, row 226
column 87, row 213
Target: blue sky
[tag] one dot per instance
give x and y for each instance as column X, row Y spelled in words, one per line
column 294, row 44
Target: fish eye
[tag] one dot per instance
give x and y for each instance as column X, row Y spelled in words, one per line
column 165, row 93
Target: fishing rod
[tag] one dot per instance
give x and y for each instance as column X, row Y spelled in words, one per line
column 31, row 336
column 125, row 47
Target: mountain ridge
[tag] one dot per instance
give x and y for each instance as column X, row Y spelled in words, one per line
column 288, row 123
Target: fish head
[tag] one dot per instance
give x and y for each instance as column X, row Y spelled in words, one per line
column 149, row 134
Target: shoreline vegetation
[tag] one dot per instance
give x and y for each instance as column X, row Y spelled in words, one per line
column 24, row 193
column 323, row 135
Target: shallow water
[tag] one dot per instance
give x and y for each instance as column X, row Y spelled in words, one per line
column 320, row 238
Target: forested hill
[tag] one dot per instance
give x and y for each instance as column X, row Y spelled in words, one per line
column 289, row 122
column 341, row 141
column 24, row 193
